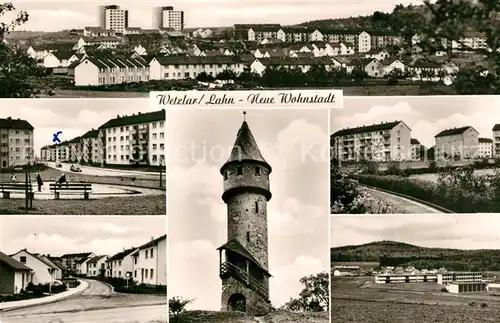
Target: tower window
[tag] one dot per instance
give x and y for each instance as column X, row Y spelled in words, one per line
column 248, row 236
column 257, row 171
column 239, row 170
column 256, row 207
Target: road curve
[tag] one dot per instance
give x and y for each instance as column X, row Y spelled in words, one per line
column 97, row 171
column 96, row 300
column 402, row 203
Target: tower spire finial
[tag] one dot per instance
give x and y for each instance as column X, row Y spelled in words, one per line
column 244, row 116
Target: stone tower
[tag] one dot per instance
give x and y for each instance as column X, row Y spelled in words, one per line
column 244, row 257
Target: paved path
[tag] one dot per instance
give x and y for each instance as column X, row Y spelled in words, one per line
column 402, row 203
column 97, row 300
column 97, row 171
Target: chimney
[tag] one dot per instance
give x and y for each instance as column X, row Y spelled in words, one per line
column 152, row 238
column 9, row 118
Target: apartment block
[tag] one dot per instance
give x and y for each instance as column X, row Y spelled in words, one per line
column 150, row 262
column 92, row 151
column 417, row 150
column 96, row 266
column 459, row 277
column 457, row 143
column 485, row 148
column 16, row 142
column 388, row 141
column 138, row 139
column 113, row 17
column 167, row 17
column 496, row 141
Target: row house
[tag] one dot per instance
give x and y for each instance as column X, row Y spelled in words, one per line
column 259, row 65
column 16, row 142
column 43, row 271
column 98, row 32
column 421, row 67
column 387, row 141
column 485, row 148
column 120, row 265
column 496, row 140
column 377, row 53
column 378, row 69
column 132, row 31
column 15, row 275
column 38, row 52
column 134, row 139
column 60, row 59
column 177, row 68
column 94, row 70
column 457, row 143
column 96, row 266
column 270, row 52
column 150, row 262
column 69, row 261
column 320, row 49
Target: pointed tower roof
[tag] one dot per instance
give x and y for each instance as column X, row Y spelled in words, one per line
column 245, row 148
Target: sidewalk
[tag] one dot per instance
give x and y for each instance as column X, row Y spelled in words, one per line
column 7, row 306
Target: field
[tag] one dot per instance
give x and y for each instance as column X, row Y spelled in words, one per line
column 434, row 177
column 279, row 316
column 358, row 299
column 367, row 90
column 362, row 265
column 137, row 205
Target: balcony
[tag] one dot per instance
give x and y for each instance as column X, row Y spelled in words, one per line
column 229, row 270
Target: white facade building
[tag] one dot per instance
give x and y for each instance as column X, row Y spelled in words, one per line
column 16, row 142
column 120, row 264
column 485, row 148
column 150, row 262
column 167, row 17
column 43, row 272
column 114, row 18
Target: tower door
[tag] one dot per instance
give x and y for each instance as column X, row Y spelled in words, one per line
column 4, row 164
column 237, row 303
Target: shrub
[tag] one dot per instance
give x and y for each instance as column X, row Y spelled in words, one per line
column 177, row 305
column 484, row 305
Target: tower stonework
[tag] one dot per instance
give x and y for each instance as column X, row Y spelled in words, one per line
column 244, row 257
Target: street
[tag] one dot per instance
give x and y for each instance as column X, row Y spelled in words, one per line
column 96, row 171
column 98, row 303
column 401, row 202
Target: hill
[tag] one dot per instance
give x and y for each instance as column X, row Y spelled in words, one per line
column 392, row 253
column 279, row 316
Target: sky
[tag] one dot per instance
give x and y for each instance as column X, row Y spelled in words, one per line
column 475, row 231
column 426, row 116
column 73, row 117
column 58, row 235
column 297, row 213
column 55, row 16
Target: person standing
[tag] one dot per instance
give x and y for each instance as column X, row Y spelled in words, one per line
column 13, row 178
column 39, row 181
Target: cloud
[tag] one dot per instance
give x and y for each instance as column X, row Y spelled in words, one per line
column 293, row 218
column 285, row 281
column 196, row 284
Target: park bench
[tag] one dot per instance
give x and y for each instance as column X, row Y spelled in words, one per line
column 8, row 188
column 76, row 188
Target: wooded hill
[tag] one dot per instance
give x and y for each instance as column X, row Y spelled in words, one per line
column 392, row 253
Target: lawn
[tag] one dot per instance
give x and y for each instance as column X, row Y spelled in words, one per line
column 136, row 205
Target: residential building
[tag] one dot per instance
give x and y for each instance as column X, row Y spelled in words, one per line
column 167, row 17
column 75, row 150
column 342, row 271
column 178, row 68
column 57, row 268
column 474, row 287
column 114, row 18
column 387, row 141
column 135, row 139
column 457, row 143
column 81, row 265
column 383, row 39
column 62, row 152
column 96, row 70
column 43, row 272
column 405, row 277
column 69, row 261
column 485, row 148
column 150, row 262
column 98, row 32
column 15, row 275
column 260, row 32
column 470, row 42
column 120, row 264
column 259, row 65
column 92, row 151
column 496, row 141
column 417, row 150
column 96, row 266
column 459, row 277
column 16, row 142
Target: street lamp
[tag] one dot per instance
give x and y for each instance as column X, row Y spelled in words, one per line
column 127, row 276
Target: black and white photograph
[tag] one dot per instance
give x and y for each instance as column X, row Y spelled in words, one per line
column 421, row 268
column 366, row 48
column 414, row 155
column 77, row 156
column 248, row 217
column 83, row 269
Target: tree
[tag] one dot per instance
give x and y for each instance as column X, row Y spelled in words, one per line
column 18, row 71
column 226, row 74
column 177, row 305
column 358, row 75
column 248, row 76
column 204, row 77
column 314, row 297
column 317, row 75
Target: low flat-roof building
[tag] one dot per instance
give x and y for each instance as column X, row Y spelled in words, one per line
column 458, row 288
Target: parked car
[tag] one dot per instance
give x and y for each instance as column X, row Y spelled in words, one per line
column 58, row 165
column 75, row 168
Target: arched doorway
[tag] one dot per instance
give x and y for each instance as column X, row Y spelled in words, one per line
column 237, row 303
